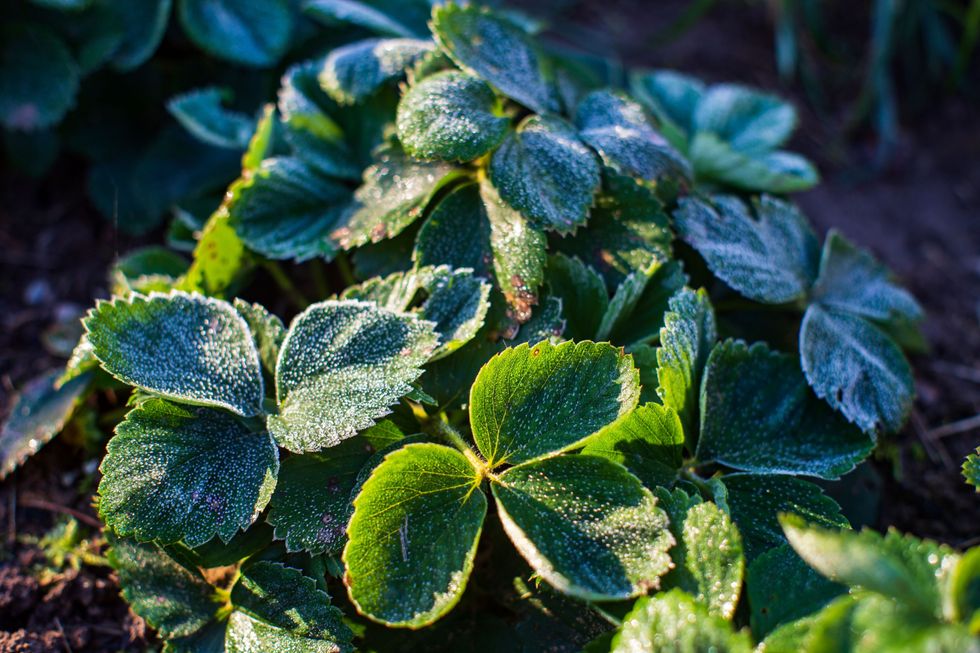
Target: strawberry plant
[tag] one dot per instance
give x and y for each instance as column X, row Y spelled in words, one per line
column 576, row 377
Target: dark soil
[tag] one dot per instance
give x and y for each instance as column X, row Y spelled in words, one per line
column 921, row 216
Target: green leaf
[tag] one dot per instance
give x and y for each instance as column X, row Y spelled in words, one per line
column 647, row 316
column 971, row 469
column 619, row 313
column 185, row 347
column 783, row 588
column 202, row 114
column 673, row 98
column 249, row 32
column 616, row 127
column 585, row 525
column 144, row 24
column 285, row 209
column 771, row 258
column 353, row 72
column 901, row 567
column 582, row 292
column 457, row 233
column 686, row 339
column 856, row 368
column 145, row 269
column 404, row 18
column 394, row 194
column 963, row 590
column 267, row 330
column 774, row 172
column 544, row 171
column 673, row 622
column 172, row 598
column 497, row 50
column 529, row 402
column 218, row 258
column 39, row 413
column 413, row 535
column 216, row 553
column 277, row 608
column 185, row 473
column 649, row 442
column 342, row 365
column 519, row 254
column 312, row 502
column 759, row 415
column 451, row 116
column 38, row 77
column 750, row 121
column 755, row 501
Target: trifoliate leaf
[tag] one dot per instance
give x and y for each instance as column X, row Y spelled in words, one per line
column 627, row 231
column 451, row 116
column 673, row 622
column 673, row 98
column 755, row 501
column 971, row 469
column 185, row 473
column 267, row 330
column 312, row 502
column 714, row 160
column 708, row 559
column 585, row 525
column 750, row 121
column 219, row 257
column 519, row 254
column 406, row 18
column 38, row 77
column 413, row 535
column 202, row 114
column 544, row 171
column 686, row 339
column 144, row 24
column 277, row 608
column 185, row 347
column 38, row 414
column 342, row 365
column 172, row 598
column 457, row 233
column 286, row 210
column 783, row 588
column 615, row 127
column 249, row 32
column 759, row 415
column 393, row 195
column 531, row 401
column 582, row 292
column 771, row 258
column 497, row 50
column 856, row 368
column 900, row 567
column 649, row 442
column 355, row 71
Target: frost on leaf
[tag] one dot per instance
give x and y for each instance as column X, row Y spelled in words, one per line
column 202, row 114
column 342, row 365
column 672, row 97
column 267, row 330
column 971, row 469
column 353, row 72
column 185, row 347
column 457, row 233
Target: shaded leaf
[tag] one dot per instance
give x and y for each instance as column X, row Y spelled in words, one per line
column 38, row 77
column 582, row 292
column 673, row 98
column 202, row 114
column 457, row 233
column 406, row 18
column 144, row 24
column 646, row 318
column 355, row 71
column 249, row 32
column 267, row 331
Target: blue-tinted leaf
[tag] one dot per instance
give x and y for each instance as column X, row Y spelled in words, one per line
column 673, row 98
column 249, row 32
column 353, row 72
column 405, row 18
column 457, row 233
column 748, row 120
column 144, row 24
column 715, row 161
column 202, row 114
column 38, row 77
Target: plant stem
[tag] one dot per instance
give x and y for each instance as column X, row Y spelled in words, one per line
column 698, row 482
column 285, row 284
column 441, row 429
column 346, row 273
column 319, row 274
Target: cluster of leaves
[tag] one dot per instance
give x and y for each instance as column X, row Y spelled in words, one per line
column 519, row 334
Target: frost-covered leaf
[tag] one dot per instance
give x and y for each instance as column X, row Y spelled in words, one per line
column 312, row 502
column 413, row 535
column 405, row 18
column 901, row 567
column 616, row 127
column 342, row 365
column 519, row 254
column 38, row 77
column 530, row 401
column 202, row 114
column 755, row 501
column 277, row 608
column 146, row 269
column 395, row 191
column 771, row 257
column 649, row 442
column 355, row 71
column 673, row 98
column 38, row 413
column 249, row 32
column 585, row 525
column 497, row 50
column 186, row 347
column 686, row 339
column 759, row 415
column 647, row 316
column 546, row 323
column 627, row 230
column 971, row 469
column 286, row 210
column 775, row 172
column 619, row 312
column 544, row 171
column 582, row 292
column 267, row 331
column 451, row 116
column 185, row 473
column 673, row 622
column 457, row 233
column 172, row 598
column 750, row 121
column 856, row 368
column 783, row 588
